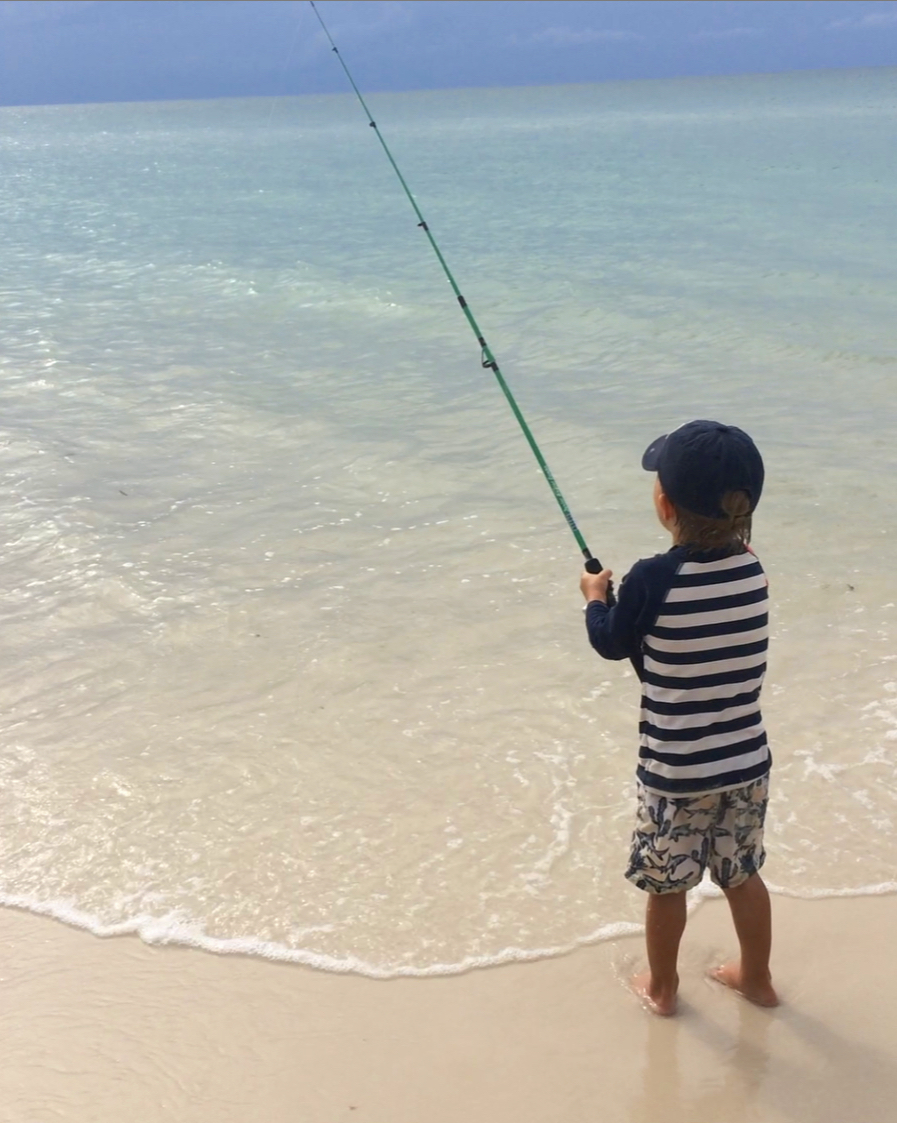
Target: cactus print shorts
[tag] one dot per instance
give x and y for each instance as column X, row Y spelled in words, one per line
column 676, row 840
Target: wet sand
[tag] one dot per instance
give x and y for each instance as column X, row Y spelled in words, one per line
column 106, row 1030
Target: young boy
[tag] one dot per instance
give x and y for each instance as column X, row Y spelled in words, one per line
column 693, row 621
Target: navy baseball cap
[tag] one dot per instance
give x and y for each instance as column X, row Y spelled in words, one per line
column 701, row 461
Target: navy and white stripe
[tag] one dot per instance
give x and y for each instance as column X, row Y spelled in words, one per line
column 696, row 629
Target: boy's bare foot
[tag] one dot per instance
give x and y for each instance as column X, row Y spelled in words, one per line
column 760, row 993
column 659, row 1000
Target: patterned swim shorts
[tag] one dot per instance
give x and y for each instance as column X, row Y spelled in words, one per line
column 675, row 840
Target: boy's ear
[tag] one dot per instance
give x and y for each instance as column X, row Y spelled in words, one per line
column 665, row 506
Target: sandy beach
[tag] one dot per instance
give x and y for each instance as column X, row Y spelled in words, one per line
column 104, row 1030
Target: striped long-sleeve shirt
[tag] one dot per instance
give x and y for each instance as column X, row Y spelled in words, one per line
column 696, row 629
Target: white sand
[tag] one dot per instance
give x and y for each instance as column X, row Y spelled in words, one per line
column 97, row 1031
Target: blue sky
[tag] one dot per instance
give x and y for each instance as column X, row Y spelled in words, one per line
column 122, row 50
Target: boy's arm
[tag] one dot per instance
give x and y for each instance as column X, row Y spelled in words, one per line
column 615, row 633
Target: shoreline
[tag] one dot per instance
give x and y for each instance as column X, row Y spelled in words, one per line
column 163, row 932
column 96, row 1027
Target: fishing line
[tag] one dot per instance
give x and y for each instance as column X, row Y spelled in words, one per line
column 487, row 358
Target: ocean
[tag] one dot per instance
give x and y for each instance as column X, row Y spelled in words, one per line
column 293, row 661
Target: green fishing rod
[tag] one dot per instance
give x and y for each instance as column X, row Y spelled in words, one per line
column 592, row 564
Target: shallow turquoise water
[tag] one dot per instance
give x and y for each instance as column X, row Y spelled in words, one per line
column 293, row 658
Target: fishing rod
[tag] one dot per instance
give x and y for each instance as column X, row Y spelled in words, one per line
column 487, row 358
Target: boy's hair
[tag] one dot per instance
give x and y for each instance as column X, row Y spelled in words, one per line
column 698, row 532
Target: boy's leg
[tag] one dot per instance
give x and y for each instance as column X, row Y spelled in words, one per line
column 752, row 917
column 737, row 858
column 664, row 925
column 670, row 847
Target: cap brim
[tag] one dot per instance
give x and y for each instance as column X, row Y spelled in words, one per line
column 651, row 458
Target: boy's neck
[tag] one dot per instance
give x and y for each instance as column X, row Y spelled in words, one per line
column 728, row 549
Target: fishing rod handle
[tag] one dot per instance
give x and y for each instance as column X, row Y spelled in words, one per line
column 593, row 565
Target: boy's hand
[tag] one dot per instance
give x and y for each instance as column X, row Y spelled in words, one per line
column 594, row 585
